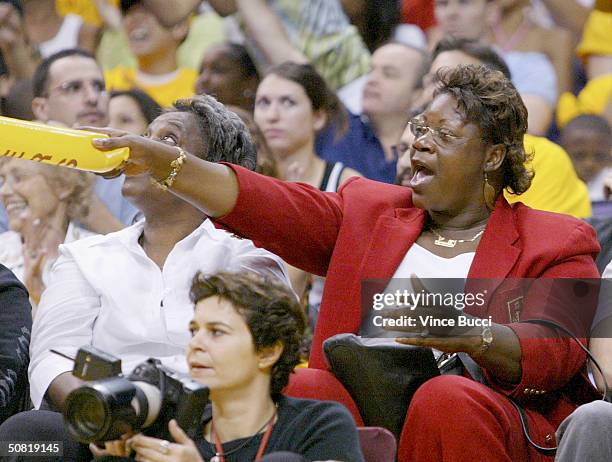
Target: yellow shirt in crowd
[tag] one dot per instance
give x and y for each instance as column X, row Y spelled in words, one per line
column 555, row 187
column 165, row 92
column 594, row 97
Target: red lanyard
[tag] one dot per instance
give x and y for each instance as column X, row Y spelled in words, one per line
column 220, row 456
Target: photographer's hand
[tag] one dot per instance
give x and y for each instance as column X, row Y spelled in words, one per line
column 156, row 450
column 117, row 448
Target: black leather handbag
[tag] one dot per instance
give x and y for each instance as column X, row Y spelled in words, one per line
column 380, row 374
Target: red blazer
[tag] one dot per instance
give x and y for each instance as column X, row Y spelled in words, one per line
column 364, row 231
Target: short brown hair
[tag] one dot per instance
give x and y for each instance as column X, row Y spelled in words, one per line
column 488, row 99
column 270, row 310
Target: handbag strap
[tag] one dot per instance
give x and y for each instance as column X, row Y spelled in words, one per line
column 523, row 416
column 476, row 372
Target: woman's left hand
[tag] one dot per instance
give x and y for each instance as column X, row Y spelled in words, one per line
column 156, row 450
column 434, row 325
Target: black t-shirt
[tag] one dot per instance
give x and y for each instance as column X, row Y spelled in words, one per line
column 15, row 329
column 317, row 430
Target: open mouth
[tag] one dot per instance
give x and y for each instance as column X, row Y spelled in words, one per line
column 421, row 175
column 16, row 207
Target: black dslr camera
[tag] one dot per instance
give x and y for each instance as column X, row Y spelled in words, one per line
column 145, row 401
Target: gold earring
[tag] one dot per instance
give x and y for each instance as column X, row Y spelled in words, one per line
column 489, row 193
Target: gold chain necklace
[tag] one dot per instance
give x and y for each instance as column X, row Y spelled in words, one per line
column 445, row 242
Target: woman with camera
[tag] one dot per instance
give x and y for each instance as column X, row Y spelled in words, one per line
column 246, row 337
column 451, row 220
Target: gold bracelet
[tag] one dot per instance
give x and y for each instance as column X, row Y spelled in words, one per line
column 176, row 165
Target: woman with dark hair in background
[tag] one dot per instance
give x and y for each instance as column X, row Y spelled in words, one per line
column 132, row 110
column 292, row 105
column 229, row 74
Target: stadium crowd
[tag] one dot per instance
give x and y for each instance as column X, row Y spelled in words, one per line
column 283, row 153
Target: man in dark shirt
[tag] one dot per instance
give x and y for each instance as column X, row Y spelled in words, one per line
column 396, row 73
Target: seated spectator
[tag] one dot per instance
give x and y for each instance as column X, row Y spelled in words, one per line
column 155, row 47
column 16, row 322
column 44, row 205
column 585, row 434
column 464, row 150
column 595, row 49
column 555, row 187
column 588, row 140
column 292, row 104
column 69, row 91
column 532, row 72
column 246, row 335
column 229, row 74
column 132, row 111
column 396, row 73
column 126, row 293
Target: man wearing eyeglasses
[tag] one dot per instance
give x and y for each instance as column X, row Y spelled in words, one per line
column 69, row 90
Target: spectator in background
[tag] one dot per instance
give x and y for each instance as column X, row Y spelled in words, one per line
column 555, row 187
column 316, row 31
column 49, row 32
column 18, row 101
column 595, row 49
column 45, row 205
column 17, row 60
column 513, row 29
column 132, row 111
column 532, row 73
column 292, row 104
column 69, row 90
column 16, row 322
column 396, row 73
column 588, row 140
column 155, row 48
column 229, row 74
column 375, row 20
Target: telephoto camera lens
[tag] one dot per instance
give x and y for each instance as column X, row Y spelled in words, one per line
column 106, row 409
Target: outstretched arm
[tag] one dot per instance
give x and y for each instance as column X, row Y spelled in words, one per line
column 295, row 221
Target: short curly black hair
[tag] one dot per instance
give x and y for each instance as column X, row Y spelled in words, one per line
column 226, row 137
column 270, row 310
column 488, row 99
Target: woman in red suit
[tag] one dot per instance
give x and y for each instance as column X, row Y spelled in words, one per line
column 464, row 150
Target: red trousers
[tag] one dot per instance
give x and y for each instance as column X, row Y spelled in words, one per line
column 450, row 419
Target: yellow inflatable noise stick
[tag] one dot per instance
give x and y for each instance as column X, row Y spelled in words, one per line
column 60, row 146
